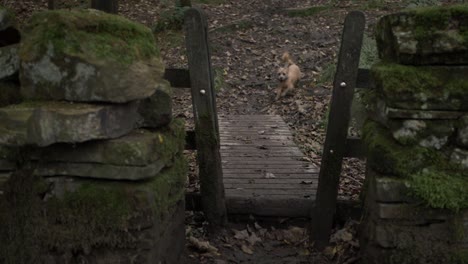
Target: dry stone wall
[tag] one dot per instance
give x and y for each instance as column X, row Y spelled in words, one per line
column 416, row 206
column 91, row 162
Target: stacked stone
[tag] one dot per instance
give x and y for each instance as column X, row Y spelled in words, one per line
column 91, row 129
column 417, row 176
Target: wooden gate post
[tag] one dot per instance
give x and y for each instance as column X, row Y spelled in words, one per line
column 206, row 119
column 109, row 6
column 337, row 129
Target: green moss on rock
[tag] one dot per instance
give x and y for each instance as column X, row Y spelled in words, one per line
column 7, row 18
column 433, row 178
column 409, row 87
column 9, row 93
column 422, row 36
column 459, row 256
column 84, row 216
column 441, row 189
column 87, row 33
column 426, row 133
column 389, row 157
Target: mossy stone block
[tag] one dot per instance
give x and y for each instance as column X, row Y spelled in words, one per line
column 45, row 123
column 460, row 156
column 9, row 61
column 83, row 220
column 424, row 88
column 425, row 36
column 388, row 157
column 9, row 93
column 62, row 4
column 88, row 55
column 139, row 148
column 137, row 156
column 462, row 134
column 156, row 110
column 426, row 133
column 389, row 189
column 7, row 18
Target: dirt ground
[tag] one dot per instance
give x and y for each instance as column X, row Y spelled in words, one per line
column 247, row 37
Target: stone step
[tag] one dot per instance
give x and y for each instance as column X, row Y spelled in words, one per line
column 45, row 123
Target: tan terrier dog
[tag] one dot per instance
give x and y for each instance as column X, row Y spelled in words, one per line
column 288, row 76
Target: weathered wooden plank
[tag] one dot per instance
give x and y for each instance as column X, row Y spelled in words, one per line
column 287, row 206
column 252, row 175
column 263, row 132
column 257, row 136
column 337, row 129
column 254, row 123
column 273, row 165
column 302, row 181
column 263, row 160
column 260, row 148
column 206, row 120
column 109, row 6
column 271, row 170
column 263, row 192
column 178, row 78
column 275, row 118
column 261, row 142
column 270, row 186
column 260, row 159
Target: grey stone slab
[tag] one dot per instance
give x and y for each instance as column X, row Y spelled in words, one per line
column 139, row 148
column 78, row 64
column 391, row 190
column 7, row 165
column 156, row 110
column 426, row 133
column 45, row 123
column 9, row 93
column 100, row 171
column 462, row 136
column 9, row 61
column 434, row 35
column 4, row 177
column 396, row 113
column 6, row 18
column 410, row 212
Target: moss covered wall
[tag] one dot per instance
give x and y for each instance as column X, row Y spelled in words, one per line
column 417, row 176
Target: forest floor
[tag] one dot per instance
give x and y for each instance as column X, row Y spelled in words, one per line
column 247, row 38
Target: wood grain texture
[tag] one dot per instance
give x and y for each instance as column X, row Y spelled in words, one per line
column 337, row 128
column 264, row 172
column 205, row 116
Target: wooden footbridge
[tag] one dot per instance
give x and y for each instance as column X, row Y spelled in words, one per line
column 250, row 164
column 264, row 172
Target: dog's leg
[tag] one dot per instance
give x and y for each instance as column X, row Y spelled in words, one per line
column 289, row 88
column 279, row 92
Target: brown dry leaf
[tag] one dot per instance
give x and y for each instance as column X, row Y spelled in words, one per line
column 295, row 235
column 330, row 252
column 246, row 249
column 241, row 235
column 202, row 246
column 342, row 235
column 253, row 238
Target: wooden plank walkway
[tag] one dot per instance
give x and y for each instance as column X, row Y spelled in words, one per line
column 264, row 171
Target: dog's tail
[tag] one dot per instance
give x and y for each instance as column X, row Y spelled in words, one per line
column 287, row 59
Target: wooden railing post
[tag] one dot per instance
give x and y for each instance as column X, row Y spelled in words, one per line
column 337, row 129
column 109, row 6
column 206, row 120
